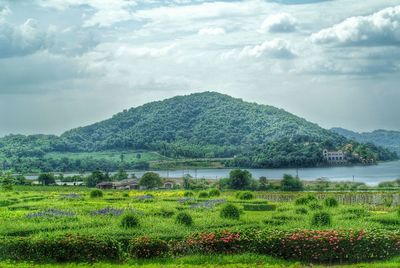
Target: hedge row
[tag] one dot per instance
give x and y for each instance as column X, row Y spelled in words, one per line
column 328, row 246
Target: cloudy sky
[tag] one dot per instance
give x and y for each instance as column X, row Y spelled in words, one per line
column 68, row 63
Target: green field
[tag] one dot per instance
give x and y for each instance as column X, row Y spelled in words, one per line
column 43, row 213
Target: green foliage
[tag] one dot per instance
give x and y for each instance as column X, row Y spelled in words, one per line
column 321, row 219
column 188, row 194
column 65, row 248
column 230, row 211
column 184, row 218
column 214, row 192
column 301, row 211
column 331, row 202
column 315, row 206
column 305, row 200
column 239, row 179
column 147, row 248
column 129, row 220
column 7, row 182
column 259, row 207
column 46, row 178
column 150, row 180
column 245, row 195
column 203, row 194
column 290, row 183
column 165, row 213
column 96, row 193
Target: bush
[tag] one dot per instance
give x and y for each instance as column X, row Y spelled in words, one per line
column 184, row 218
column 147, row 248
column 188, row 194
column 245, row 195
column 259, row 207
column 321, row 219
column 315, row 206
column 96, row 193
column 66, row 248
column 214, row 192
column 129, row 221
column 304, row 200
column 331, row 202
column 230, row 211
column 203, row 195
column 355, row 213
column 165, row 213
column 301, row 211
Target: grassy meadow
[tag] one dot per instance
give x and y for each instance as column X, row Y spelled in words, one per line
column 37, row 213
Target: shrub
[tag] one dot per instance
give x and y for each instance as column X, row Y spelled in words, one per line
column 184, row 218
column 304, row 200
column 332, row 246
column 315, row 206
column 203, row 195
column 166, row 213
column 301, row 211
column 230, row 211
column 321, row 219
column 259, row 207
column 125, row 194
column 147, row 248
column 66, row 248
column 355, row 213
column 96, row 193
column 331, row 202
column 188, row 194
column 129, row 221
column 214, row 192
column 245, row 195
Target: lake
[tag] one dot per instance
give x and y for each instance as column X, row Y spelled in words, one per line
column 370, row 175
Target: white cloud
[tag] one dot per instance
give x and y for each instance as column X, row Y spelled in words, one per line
column 211, row 31
column 107, row 12
column 276, row 48
column 281, row 22
column 21, row 40
column 380, row 28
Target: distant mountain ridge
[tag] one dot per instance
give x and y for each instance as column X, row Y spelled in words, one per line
column 389, row 139
column 200, row 125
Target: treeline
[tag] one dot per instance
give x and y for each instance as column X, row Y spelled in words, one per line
column 33, row 164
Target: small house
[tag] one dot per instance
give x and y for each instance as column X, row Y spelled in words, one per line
column 127, row 185
column 169, row 184
column 105, row 185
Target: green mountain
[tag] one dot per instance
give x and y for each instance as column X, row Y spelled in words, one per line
column 386, row 138
column 202, row 125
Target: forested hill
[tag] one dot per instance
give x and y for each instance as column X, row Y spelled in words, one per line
column 201, row 125
column 202, row 119
column 386, row 138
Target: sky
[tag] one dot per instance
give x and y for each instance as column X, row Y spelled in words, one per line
column 70, row 63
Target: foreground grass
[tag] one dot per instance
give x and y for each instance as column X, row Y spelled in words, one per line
column 242, row 260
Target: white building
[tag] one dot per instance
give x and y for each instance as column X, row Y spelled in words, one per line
column 335, row 157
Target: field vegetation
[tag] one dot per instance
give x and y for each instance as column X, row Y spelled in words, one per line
column 56, row 224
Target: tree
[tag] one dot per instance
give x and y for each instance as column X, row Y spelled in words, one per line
column 47, row 178
column 121, row 175
column 290, row 183
column 186, row 181
column 7, row 182
column 263, row 183
column 150, row 180
column 239, row 179
column 96, row 177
